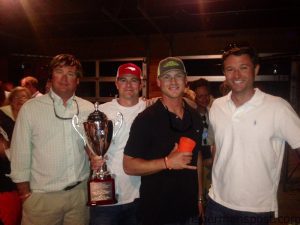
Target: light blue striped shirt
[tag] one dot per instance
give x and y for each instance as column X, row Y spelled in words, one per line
column 46, row 150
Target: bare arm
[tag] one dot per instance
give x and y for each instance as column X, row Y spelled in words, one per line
column 141, row 167
column 24, row 190
column 151, row 101
column 209, row 162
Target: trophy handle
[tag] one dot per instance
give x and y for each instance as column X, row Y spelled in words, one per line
column 118, row 122
column 87, row 147
column 75, row 124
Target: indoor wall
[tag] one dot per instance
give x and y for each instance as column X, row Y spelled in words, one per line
column 155, row 47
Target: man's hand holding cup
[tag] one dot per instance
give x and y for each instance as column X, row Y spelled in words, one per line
column 181, row 155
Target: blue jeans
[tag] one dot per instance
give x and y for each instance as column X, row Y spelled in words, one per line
column 114, row 215
column 217, row 214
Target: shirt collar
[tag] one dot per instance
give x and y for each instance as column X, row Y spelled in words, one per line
column 256, row 99
column 58, row 100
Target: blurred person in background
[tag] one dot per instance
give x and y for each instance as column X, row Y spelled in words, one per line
column 224, row 88
column 203, row 98
column 10, row 203
column 16, row 99
column 32, row 84
column 2, row 95
column 8, row 86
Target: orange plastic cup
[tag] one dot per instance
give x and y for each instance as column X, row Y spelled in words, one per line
column 186, row 144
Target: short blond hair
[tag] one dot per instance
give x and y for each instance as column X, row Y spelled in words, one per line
column 16, row 90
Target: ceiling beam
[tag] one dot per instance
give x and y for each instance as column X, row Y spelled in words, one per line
column 142, row 10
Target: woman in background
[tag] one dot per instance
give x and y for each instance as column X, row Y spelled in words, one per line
column 10, row 203
column 2, row 95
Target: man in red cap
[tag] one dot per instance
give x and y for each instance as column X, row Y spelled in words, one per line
column 129, row 84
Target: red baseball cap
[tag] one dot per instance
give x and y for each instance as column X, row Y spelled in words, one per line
column 129, row 68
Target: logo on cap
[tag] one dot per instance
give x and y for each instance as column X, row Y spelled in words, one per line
column 171, row 63
column 129, row 69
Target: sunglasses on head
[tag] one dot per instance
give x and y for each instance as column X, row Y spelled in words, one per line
column 236, row 45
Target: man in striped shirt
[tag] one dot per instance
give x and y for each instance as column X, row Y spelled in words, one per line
column 49, row 163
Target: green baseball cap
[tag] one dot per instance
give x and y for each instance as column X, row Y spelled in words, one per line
column 168, row 64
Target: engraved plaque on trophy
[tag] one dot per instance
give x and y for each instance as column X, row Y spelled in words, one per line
column 98, row 134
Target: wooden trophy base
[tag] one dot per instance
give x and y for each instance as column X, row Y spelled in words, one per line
column 101, row 191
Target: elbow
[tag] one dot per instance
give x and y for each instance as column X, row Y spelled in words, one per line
column 128, row 171
column 126, row 168
column 127, row 165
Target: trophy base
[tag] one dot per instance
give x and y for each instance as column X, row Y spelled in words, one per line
column 101, row 191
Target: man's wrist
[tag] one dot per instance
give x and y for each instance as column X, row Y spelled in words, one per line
column 25, row 196
column 167, row 164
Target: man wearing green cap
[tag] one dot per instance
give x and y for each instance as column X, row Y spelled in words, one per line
column 170, row 190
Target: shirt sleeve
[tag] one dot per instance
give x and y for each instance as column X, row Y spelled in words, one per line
column 288, row 124
column 21, row 148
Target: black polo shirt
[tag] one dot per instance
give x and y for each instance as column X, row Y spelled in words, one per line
column 169, row 195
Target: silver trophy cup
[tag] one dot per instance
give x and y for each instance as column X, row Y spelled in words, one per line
column 98, row 134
